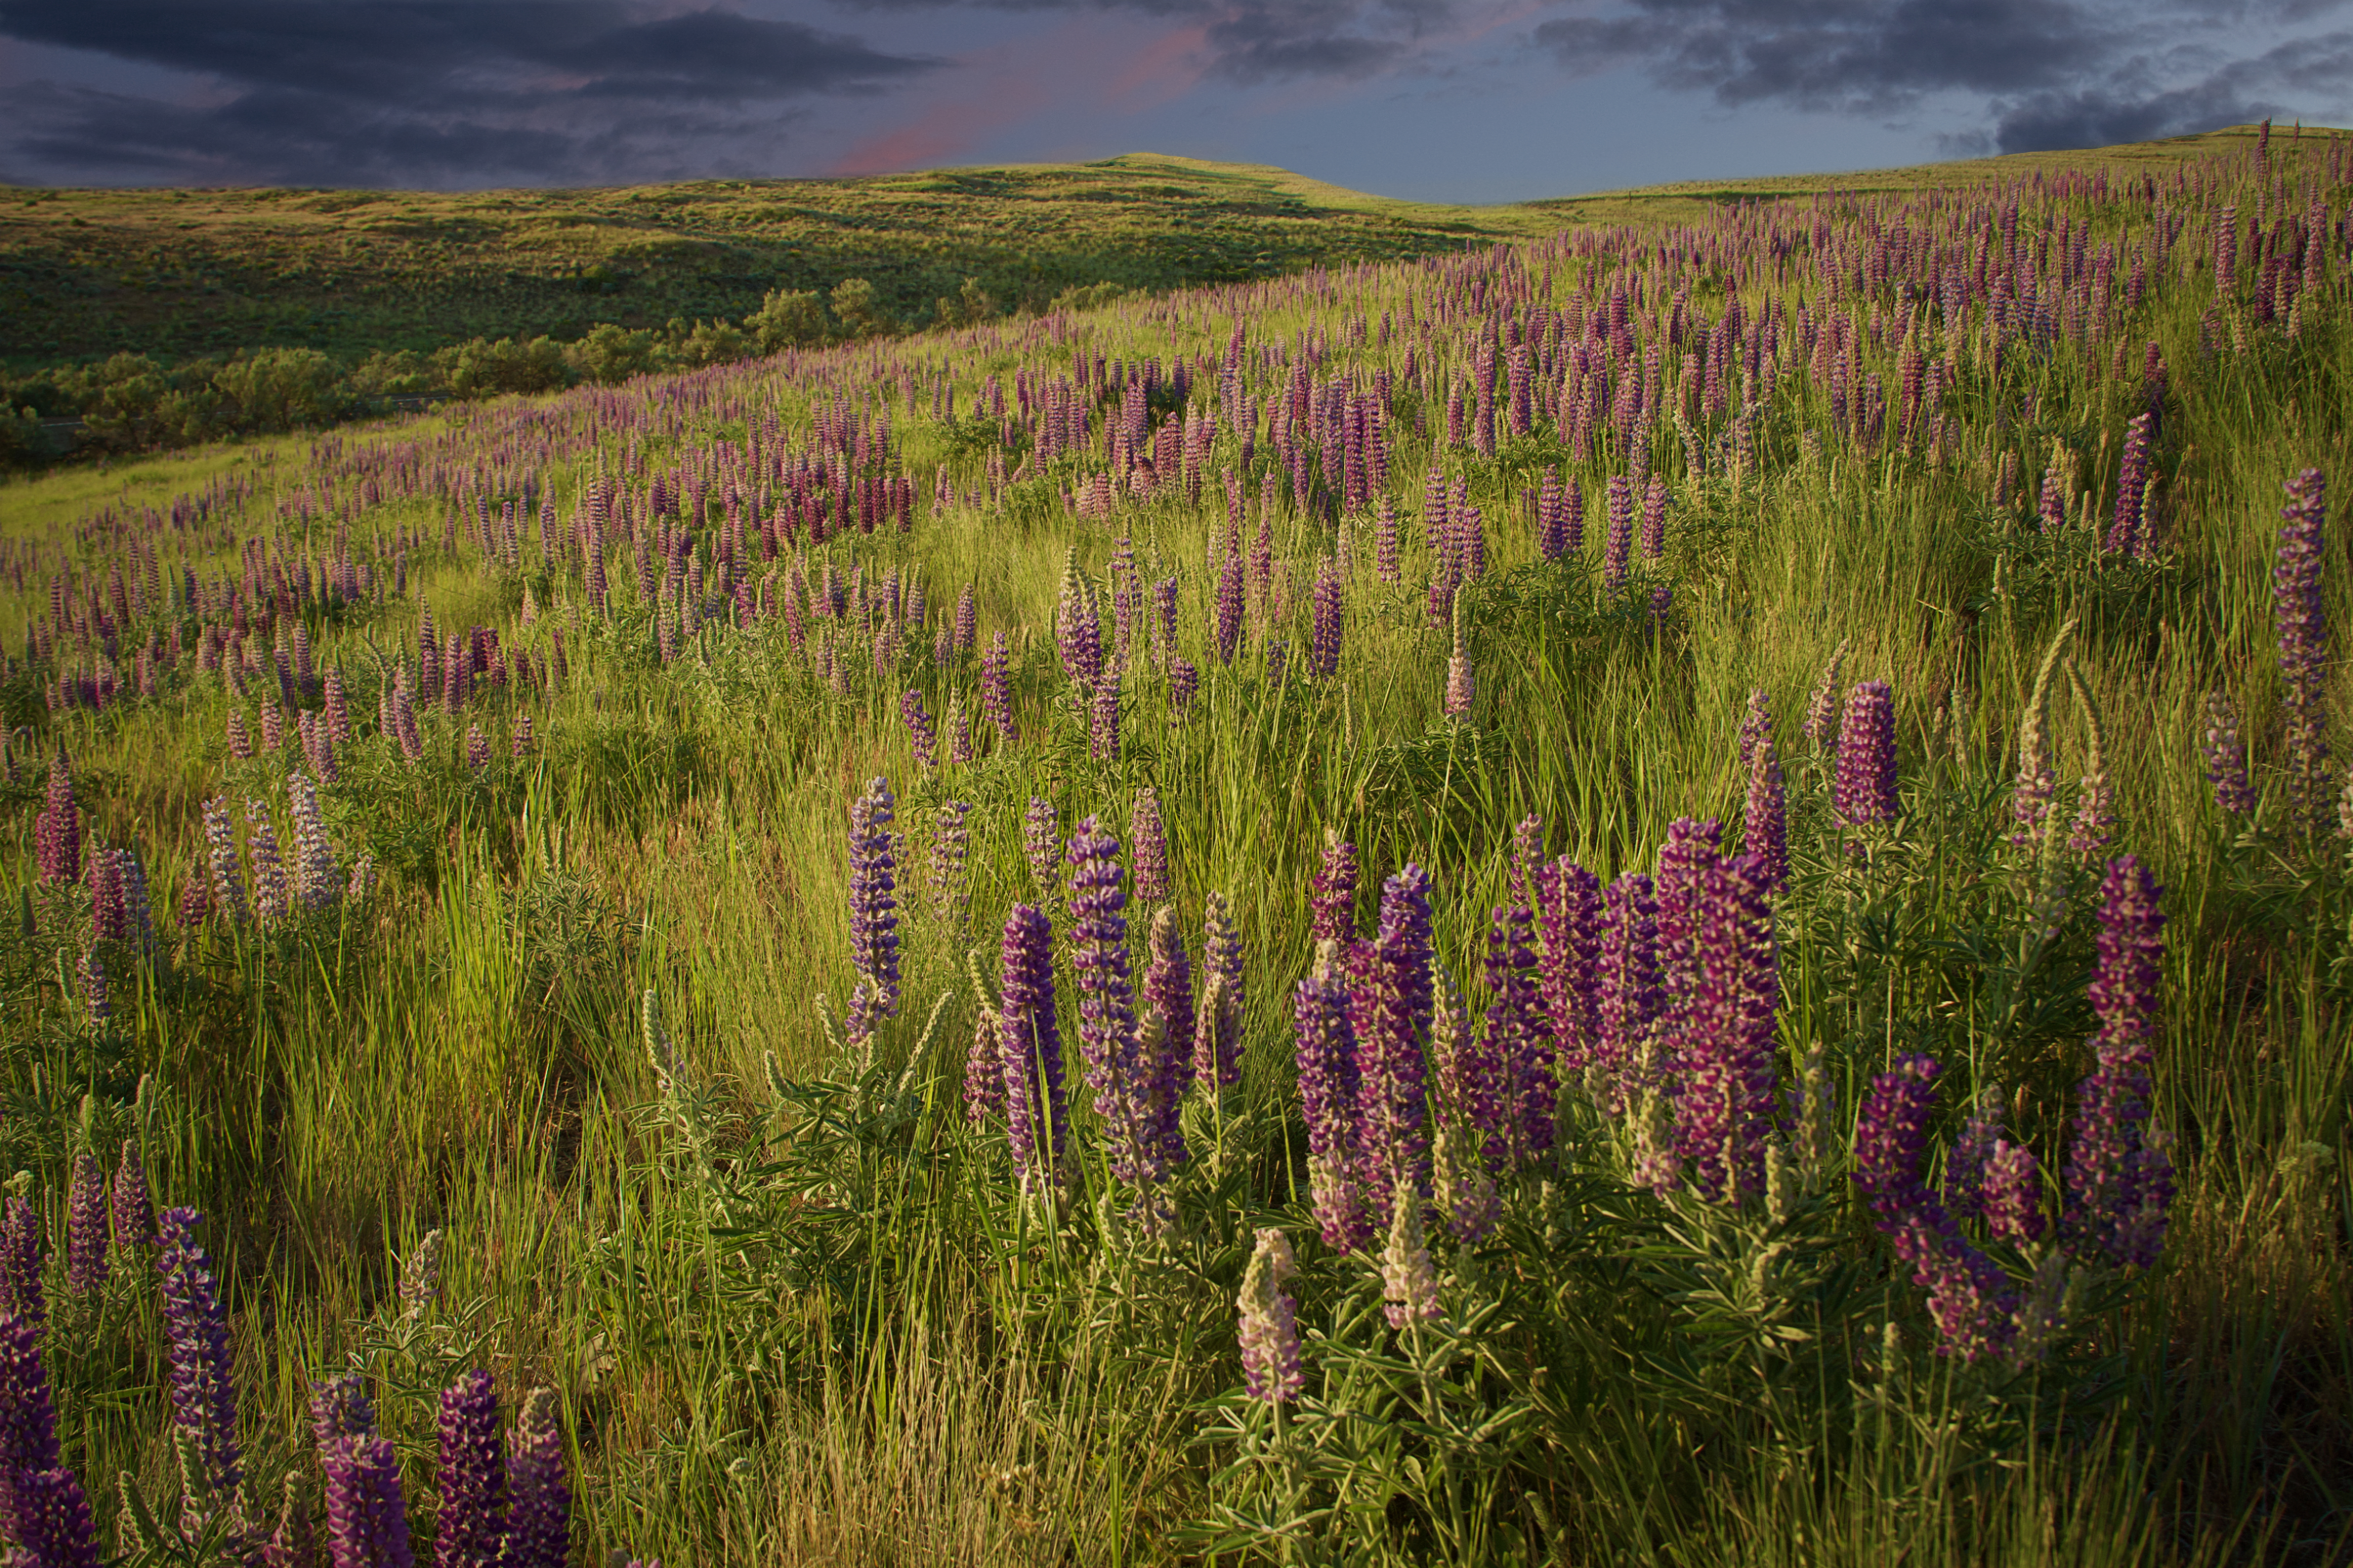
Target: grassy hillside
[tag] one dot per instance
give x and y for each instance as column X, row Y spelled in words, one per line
column 1673, row 892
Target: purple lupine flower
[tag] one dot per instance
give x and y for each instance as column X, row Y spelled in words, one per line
column 1164, row 1042
column 1324, row 649
column 1270, row 1327
column 1077, row 629
column 133, row 1211
column 1148, row 846
column 57, row 832
column 1331, row 896
column 272, row 897
column 1755, row 727
column 996, row 690
column 1470, row 1091
column 1227, row 627
column 1392, row 1046
column 1328, row 1102
column 920, row 733
column 873, row 912
column 106, row 915
column 196, row 1329
column 53, row 1523
column 86, row 1250
column 368, row 1520
column 967, row 621
column 2302, row 615
column 28, row 1417
column 1568, row 955
column 1627, row 997
column 2119, row 1178
column 1461, row 692
column 1619, row 543
column 471, row 1527
column 1865, row 791
column 1965, row 1161
column 1975, row 1312
column 1385, row 541
column 1042, row 841
column 316, row 884
column 1765, row 820
column 1721, row 1036
column 21, row 1290
column 2226, row 757
column 1037, row 1120
column 338, row 708
column 2011, row 1194
column 539, row 1503
column 1519, row 1035
column 1103, row 719
column 1683, row 862
column 950, row 884
column 239, row 739
column 2129, row 534
column 1654, row 519
column 1107, row 1003
column 1218, row 1021
column 1183, row 680
column 1821, row 725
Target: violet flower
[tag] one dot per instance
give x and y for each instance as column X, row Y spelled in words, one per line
column 2119, row 1177
column 57, row 832
column 920, row 732
column 1165, row 1039
column 1148, row 846
column 1721, row 1041
column 1332, row 895
column 1619, row 542
column 471, row 1527
column 1107, row 1030
column 1103, row 719
column 1037, row 1120
column 1628, row 998
column 1329, row 1103
column 2302, row 614
column 52, row 1520
column 1324, row 649
column 86, row 1226
column 539, row 1505
column 997, row 690
column 2226, row 757
column 196, row 1329
column 1765, row 820
column 1392, row 1046
column 1568, row 957
column 1041, row 842
column 1822, row 723
column 1865, row 791
column 873, row 912
column 1520, row 1040
column 29, row 1418
column 21, row 1290
column 131, row 1210
column 1218, row 1022
column 368, row 1520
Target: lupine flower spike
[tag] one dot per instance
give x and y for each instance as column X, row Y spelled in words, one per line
column 1270, row 1327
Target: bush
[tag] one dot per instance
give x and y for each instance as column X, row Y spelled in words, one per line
column 282, row 389
column 611, row 353
column 788, row 318
column 483, row 369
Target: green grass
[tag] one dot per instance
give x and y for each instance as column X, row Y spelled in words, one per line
column 797, row 1315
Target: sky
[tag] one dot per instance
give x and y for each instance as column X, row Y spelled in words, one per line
column 1453, row 101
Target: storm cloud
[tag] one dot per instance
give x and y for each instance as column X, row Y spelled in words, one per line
column 424, row 92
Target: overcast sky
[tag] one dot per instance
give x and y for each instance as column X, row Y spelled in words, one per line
column 1473, row 100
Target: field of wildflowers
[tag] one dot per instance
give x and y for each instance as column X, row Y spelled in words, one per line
column 1675, row 893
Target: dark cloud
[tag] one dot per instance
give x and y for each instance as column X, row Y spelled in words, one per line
column 424, row 92
column 1255, row 41
column 2050, row 73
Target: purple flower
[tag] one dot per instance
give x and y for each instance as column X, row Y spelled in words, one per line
column 2119, row 1178
column 21, row 1290
column 996, row 690
column 1269, row 1322
column 338, row 708
column 86, row 1250
column 1148, row 846
column 1619, row 542
column 1965, row 1161
column 107, row 916
column 29, row 1418
column 1218, row 1024
column 1865, row 791
column 873, row 912
column 134, row 1211
column 1103, row 719
column 1764, row 821
column 1183, row 680
column 1569, row 957
column 2012, row 1193
column 1164, row 1042
column 1077, row 629
column 1107, row 1040
column 950, row 845
column 2128, row 535
column 1968, row 1295
column 1331, row 896
column 472, row 1523
column 1328, row 1101
column 316, row 885
column 1461, row 690
column 1323, row 650
column 90, row 971
column 273, row 898
column 1721, row 1031
column 367, row 1521
column 1520, row 1041
column 1037, row 1122
column 53, row 1524
column 1408, row 1278
column 1627, row 997
column 196, row 1329
column 57, row 832
column 2302, row 614
column 2226, row 757
column 539, row 1508
column 1755, row 727
column 1392, row 1046
column 920, row 732
column 1228, row 625
column 1654, row 519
